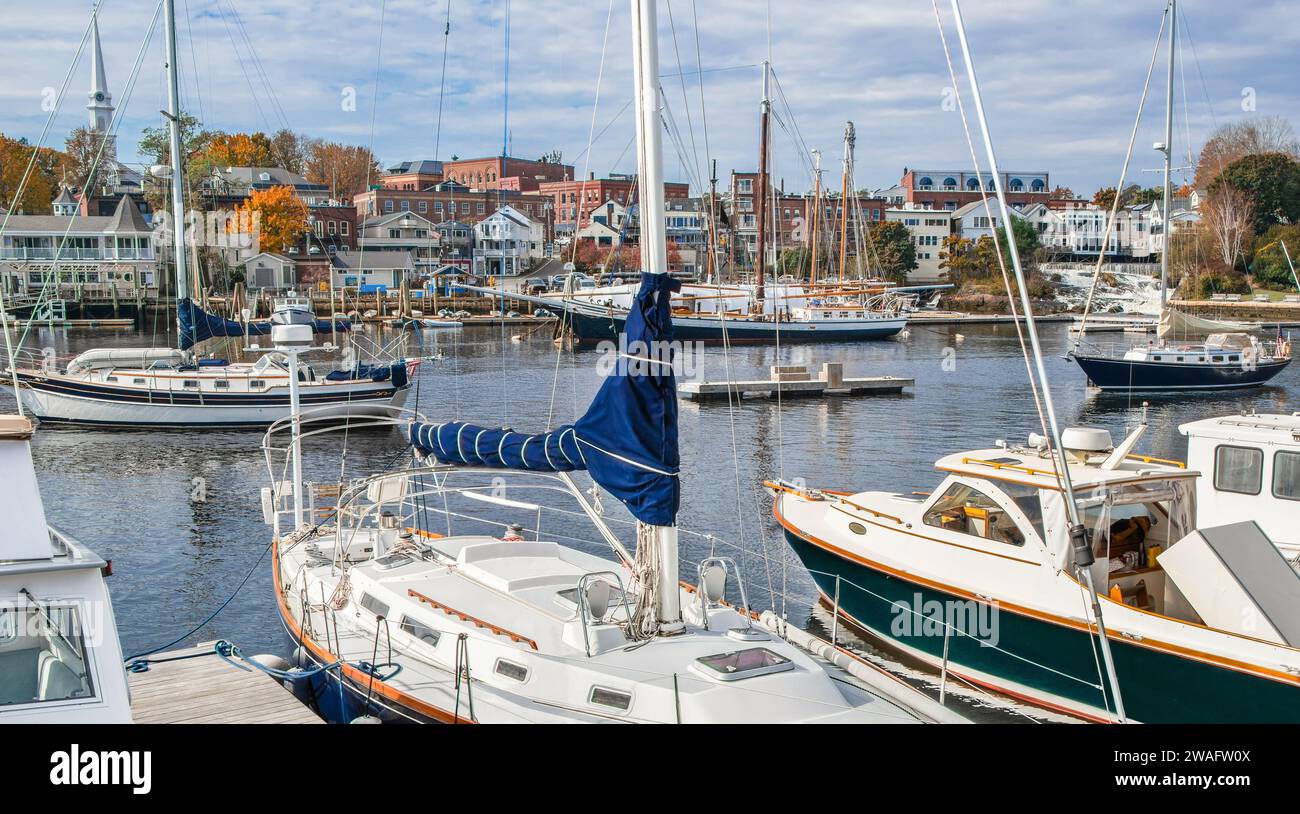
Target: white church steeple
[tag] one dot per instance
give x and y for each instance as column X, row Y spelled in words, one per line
column 101, row 101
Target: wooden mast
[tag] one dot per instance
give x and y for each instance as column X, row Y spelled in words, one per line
column 849, row 138
column 761, row 209
column 816, row 207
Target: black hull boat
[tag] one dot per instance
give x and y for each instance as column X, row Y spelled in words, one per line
column 1112, row 373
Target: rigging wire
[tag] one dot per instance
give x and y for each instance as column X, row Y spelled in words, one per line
column 442, row 82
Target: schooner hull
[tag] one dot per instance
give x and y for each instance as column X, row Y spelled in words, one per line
column 60, row 401
column 591, row 328
column 1045, row 661
column 1108, row 373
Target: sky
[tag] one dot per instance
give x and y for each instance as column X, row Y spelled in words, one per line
column 1061, row 79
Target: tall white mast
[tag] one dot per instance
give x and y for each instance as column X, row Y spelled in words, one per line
column 654, row 260
column 1078, row 532
column 177, row 160
column 1168, row 149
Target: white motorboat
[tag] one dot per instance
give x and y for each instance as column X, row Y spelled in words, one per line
column 60, row 659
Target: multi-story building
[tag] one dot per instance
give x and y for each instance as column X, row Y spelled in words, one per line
column 1074, row 230
column 404, row 231
column 413, row 175
column 95, row 253
column 929, row 228
column 449, row 200
column 227, row 187
column 501, row 172
column 456, row 244
column 507, row 243
column 573, row 201
column 953, row 189
column 371, row 270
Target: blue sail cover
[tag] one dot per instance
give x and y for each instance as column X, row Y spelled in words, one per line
column 196, row 325
column 627, row 440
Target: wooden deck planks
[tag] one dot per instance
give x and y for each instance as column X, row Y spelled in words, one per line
column 207, row 690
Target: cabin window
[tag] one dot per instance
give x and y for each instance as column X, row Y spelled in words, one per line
column 374, row 605
column 1238, row 469
column 509, row 669
column 421, row 631
column 603, row 697
column 1218, row 358
column 221, row 384
column 112, row 378
column 255, row 383
column 42, row 655
column 1286, row 475
column 965, row 509
column 137, row 381
column 190, row 383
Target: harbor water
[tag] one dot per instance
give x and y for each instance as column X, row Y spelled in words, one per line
column 179, row 513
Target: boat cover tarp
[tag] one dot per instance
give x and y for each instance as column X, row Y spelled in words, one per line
column 376, row 373
column 626, row 441
column 197, row 325
column 1174, row 324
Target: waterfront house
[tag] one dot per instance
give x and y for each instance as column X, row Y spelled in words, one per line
column 403, row 232
column 507, row 243
column 929, row 228
column 369, row 270
column 97, row 255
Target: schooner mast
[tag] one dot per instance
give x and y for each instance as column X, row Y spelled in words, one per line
column 1167, row 149
column 174, row 137
column 760, row 211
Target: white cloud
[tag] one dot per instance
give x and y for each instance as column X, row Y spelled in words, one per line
column 1061, row 80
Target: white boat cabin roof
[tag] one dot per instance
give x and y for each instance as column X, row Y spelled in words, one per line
column 1267, row 428
column 1032, row 467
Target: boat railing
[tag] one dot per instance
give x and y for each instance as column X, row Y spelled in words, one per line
column 587, row 614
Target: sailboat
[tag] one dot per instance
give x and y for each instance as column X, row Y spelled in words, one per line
column 173, row 387
column 481, row 584
column 1219, row 356
column 749, row 313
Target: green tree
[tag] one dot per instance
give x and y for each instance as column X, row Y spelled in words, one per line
column 1027, row 244
column 1272, row 182
column 892, row 250
column 1270, row 268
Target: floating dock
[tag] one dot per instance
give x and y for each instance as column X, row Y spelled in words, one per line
column 72, row 323
column 794, row 381
column 195, row 686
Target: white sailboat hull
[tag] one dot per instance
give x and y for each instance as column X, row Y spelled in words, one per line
column 341, row 402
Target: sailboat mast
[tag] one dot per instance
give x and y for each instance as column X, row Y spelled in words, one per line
column 761, row 210
column 178, row 164
column 1168, row 150
column 654, row 260
column 850, row 136
column 816, row 210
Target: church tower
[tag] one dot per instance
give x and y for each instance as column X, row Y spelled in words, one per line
column 101, row 101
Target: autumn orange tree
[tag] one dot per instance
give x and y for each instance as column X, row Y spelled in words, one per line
column 281, row 217
column 41, row 186
column 239, row 150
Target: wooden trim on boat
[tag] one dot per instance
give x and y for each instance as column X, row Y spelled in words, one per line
column 1151, row 644
column 358, row 677
column 1147, row 459
column 937, row 540
column 465, row 617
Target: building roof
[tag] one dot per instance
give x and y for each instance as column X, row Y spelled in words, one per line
column 423, row 166
column 127, row 217
column 382, row 220
column 64, row 197
column 512, row 214
column 273, row 255
column 267, row 176
column 353, row 261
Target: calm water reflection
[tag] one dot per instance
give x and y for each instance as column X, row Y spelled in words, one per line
column 179, row 512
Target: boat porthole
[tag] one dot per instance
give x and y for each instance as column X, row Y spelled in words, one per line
column 857, row 528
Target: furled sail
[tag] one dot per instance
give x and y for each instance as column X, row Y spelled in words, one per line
column 1174, row 324
column 197, row 325
column 627, row 440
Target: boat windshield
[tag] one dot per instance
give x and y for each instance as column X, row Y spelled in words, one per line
column 42, row 655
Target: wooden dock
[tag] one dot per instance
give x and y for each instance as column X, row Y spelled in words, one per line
column 124, row 324
column 195, row 686
column 794, row 381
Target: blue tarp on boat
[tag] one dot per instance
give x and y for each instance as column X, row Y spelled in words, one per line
column 627, row 440
column 376, row 373
column 197, row 325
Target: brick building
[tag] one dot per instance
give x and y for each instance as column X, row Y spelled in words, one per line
column 413, row 175
column 501, row 172
column 448, row 200
column 573, row 201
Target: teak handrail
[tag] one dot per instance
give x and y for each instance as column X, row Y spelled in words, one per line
column 465, row 617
